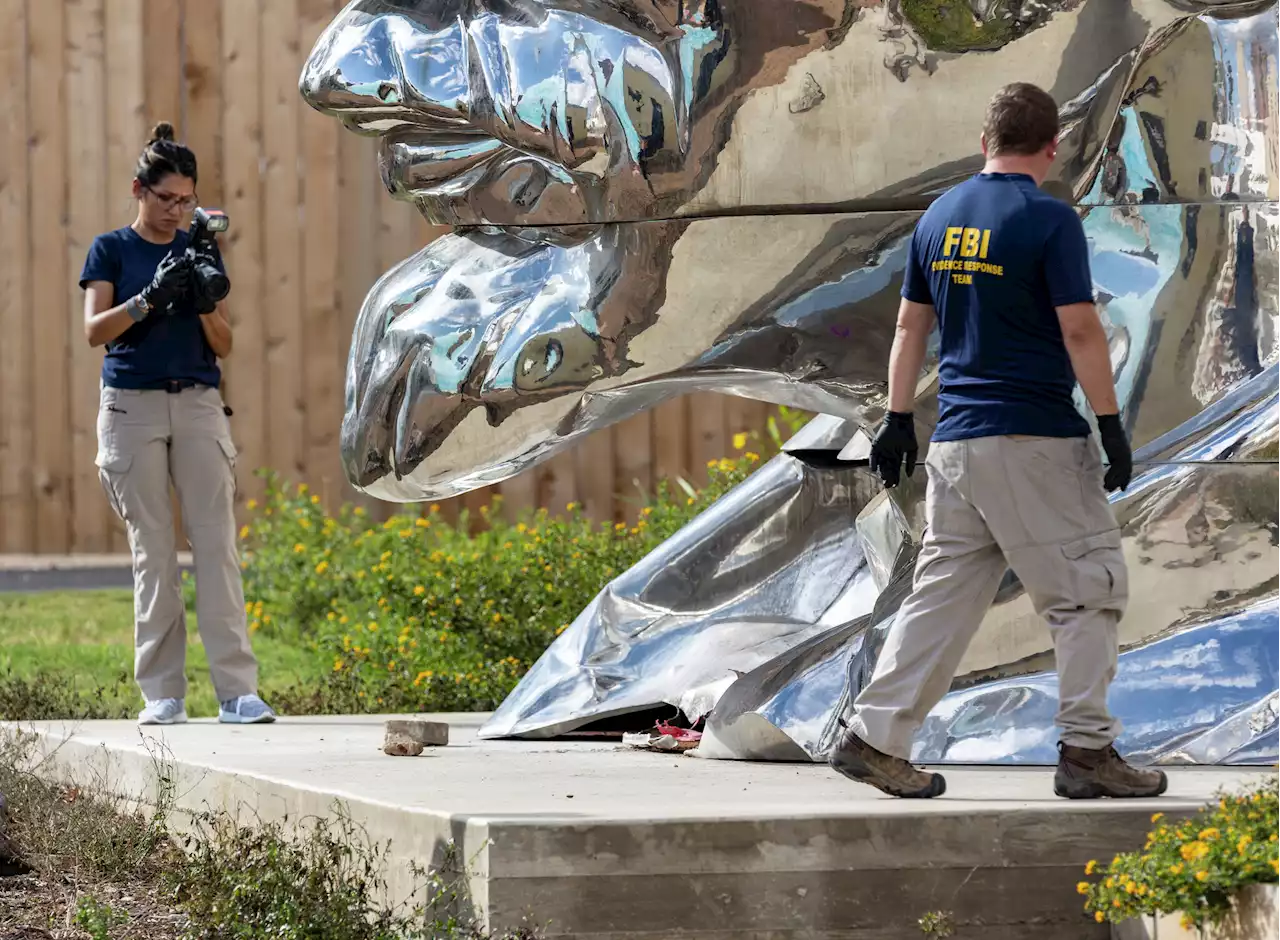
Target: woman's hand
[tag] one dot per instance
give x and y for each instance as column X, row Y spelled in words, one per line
column 172, row 281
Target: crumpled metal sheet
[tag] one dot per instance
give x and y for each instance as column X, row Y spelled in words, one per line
column 656, row 198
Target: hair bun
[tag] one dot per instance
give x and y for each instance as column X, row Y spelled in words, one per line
column 162, row 131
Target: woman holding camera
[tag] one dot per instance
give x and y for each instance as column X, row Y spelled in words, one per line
column 161, row 419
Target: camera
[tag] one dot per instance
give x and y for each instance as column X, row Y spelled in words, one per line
column 208, row 284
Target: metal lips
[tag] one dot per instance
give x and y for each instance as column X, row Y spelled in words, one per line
column 494, row 348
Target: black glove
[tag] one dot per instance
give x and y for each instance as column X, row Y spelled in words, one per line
column 1116, row 443
column 894, row 443
column 171, row 282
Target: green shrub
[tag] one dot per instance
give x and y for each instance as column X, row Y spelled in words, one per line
column 50, row 695
column 1192, row 867
column 417, row 614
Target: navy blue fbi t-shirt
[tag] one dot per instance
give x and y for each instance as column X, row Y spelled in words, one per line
column 994, row 256
column 162, row 347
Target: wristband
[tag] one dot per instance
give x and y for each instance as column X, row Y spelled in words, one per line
column 137, row 309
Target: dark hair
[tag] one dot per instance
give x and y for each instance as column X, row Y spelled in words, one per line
column 164, row 155
column 1021, row 119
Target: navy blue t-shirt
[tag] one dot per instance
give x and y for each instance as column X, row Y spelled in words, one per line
column 994, row 256
column 163, row 346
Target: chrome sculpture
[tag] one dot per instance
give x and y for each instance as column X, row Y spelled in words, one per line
column 653, row 197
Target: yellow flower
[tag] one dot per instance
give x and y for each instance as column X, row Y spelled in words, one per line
column 391, row 665
column 1243, row 844
column 1099, row 917
column 405, row 533
column 1091, row 867
column 332, row 616
column 739, row 441
column 322, row 567
column 570, row 507
column 689, row 501
column 299, row 548
column 244, row 532
column 422, row 523
column 338, row 665
column 1157, row 817
column 373, row 626
column 1194, row 850
column 563, row 627
column 497, row 618
column 248, row 607
column 252, row 504
column 1082, row 888
column 1202, row 876
column 359, row 510
column 1275, row 866
column 419, row 590
column 1176, row 869
column 342, row 619
column 1209, row 834
column 315, row 500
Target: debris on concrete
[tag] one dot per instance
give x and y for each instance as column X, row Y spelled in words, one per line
column 406, row 737
column 664, row 737
column 399, row 744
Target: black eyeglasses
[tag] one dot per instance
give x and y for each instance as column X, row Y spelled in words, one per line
column 168, row 200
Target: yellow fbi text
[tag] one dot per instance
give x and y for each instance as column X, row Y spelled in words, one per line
column 965, row 251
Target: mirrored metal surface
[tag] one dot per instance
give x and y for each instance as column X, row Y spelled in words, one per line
column 660, row 197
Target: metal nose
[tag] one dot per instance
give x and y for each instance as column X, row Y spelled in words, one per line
column 387, row 62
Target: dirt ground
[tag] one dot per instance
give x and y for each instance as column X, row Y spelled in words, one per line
column 36, row 907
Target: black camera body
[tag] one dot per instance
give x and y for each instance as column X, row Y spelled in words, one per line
column 208, row 284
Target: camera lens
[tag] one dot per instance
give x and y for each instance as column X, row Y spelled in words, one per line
column 213, row 283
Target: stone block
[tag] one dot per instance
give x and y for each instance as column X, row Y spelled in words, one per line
column 426, row 733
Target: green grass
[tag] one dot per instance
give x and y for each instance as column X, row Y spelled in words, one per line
column 88, row 635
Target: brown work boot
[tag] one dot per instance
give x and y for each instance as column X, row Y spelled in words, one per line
column 858, row 760
column 1086, row 774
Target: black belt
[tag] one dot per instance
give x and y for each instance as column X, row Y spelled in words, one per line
column 174, row 386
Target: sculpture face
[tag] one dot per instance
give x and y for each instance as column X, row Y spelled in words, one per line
column 653, row 197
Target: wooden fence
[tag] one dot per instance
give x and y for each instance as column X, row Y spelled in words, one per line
column 312, row 227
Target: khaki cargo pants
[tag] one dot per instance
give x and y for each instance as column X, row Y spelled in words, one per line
column 145, row 440
column 1033, row 504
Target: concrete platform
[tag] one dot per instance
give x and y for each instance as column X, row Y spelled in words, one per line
column 71, row 572
column 594, row 839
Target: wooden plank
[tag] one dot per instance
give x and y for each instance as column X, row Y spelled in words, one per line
column 707, row 439
column 324, row 345
column 358, row 189
column 17, row 515
column 593, row 461
column 633, row 461
column 202, row 85
column 558, row 482
column 282, row 248
column 87, row 217
column 670, row 441
column 127, row 132
column 163, row 61
column 46, row 104
column 244, row 372
column 741, row 417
